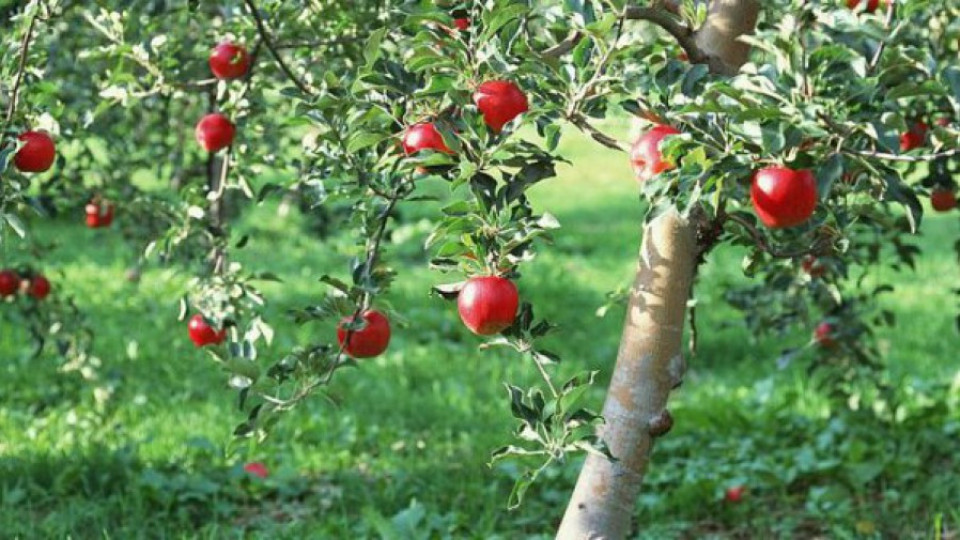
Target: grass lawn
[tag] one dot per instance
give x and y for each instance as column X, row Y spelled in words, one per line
column 399, row 449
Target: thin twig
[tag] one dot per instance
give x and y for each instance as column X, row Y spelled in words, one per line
column 875, row 61
column 659, row 16
column 921, row 158
column 21, row 68
column 546, row 378
column 342, row 40
column 581, row 122
column 144, row 63
column 762, row 243
column 886, row 156
column 802, row 39
column 265, row 35
column 586, row 90
column 564, row 46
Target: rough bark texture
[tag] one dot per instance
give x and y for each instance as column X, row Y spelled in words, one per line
column 649, row 363
column 648, row 366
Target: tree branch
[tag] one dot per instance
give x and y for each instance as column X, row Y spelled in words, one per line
column 581, row 122
column 762, row 243
column 657, row 15
column 921, row 158
column 268, row 42
column 563, row 47
column 669, row 22
column 875, row 61
column 21, row 68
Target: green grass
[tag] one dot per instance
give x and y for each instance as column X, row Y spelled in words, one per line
column 399, row 450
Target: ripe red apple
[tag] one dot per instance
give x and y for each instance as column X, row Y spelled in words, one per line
column 823, row 335
column 37, row 153
column 488, row 304
column 202, row 334
column 257, row 469
column 734, row 494
column 943, row 199
column 500, row 102
column 783, row 197
column 9, row 283
column 215, row 132
column 914, row 138
column 872, row 5
column 229, row 61
column 39, row 287
column 99, row 214
column 369, row 341
column 813, row 267
column 645, row 154
column 462, row 23
column 424, row 136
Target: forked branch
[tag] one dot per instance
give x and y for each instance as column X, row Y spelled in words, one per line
column 268, row 42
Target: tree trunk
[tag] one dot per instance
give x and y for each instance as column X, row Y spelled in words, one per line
column 649, row 365
column 649, row 362
column 718, row 37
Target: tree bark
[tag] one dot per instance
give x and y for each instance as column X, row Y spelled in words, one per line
column 719, row 36
column 649, row 365
column 649, row 362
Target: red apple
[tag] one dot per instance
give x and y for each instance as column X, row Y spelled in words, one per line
column 424, row 136
column 783, row 197
column 462, row 23
column 734, row 494
column 107, row 216
column 488, row 304
column 872, row 5
column 229, row 61
column 37, row 153
column 823, row 335
column 500, row 102
column 943, row 199
column 9, row 283
column 369, row 341
column 257, row 469
column 99, row 214
column 914, row 138
column 645, row 154
column 215, row 132
column 39, row 287
column 813, row 267
column 202, row 334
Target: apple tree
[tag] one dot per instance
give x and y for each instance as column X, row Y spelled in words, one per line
column 807, row 132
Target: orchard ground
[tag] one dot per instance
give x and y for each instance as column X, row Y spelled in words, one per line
column 399, row 450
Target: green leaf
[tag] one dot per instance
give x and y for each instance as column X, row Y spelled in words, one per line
column 372, row 52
